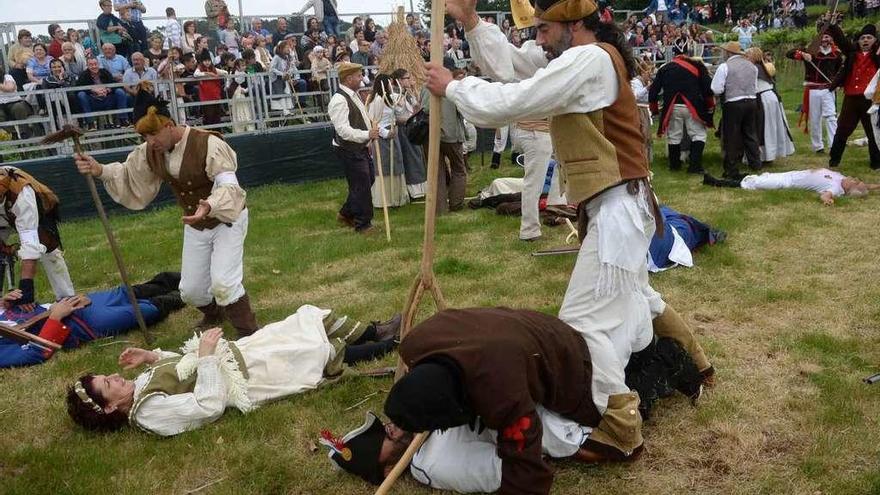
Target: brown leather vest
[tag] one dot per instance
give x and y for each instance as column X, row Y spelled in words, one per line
column 192, row 183
column 356, row 120
column 600, row 149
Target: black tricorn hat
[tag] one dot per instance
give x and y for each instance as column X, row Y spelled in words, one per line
column 358, row 451
column 146, row 99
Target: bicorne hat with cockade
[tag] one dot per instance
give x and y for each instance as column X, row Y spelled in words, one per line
column 150, row 114
column 358, row 451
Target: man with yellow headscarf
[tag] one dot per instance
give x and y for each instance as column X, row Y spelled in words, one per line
column 577, row 73
column 200, row 168
column 31, row 208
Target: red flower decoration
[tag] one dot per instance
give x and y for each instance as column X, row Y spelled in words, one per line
column 514, row 432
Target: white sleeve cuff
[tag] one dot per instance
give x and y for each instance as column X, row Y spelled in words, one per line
column 226, row 178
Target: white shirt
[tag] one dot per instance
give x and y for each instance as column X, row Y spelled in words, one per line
column 639, row 90
column 173, row 33
column 27, row 221
column 4, row 99
column 819, row 180
column 581, row 80
column 338, row 111
column 383, row 114
column 719, row 80
column 870, row 90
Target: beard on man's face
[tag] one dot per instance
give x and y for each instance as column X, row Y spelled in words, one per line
column 554, row 50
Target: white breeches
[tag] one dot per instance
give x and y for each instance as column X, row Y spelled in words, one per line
column 610, row 306
column 682, row 120
column 212, row 263
column 822, row 106
column 537, row 150
column 501, row 139
column 56, row 271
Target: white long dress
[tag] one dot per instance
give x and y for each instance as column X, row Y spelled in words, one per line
column 282, row 359
column 396, row 192
column 777, row 141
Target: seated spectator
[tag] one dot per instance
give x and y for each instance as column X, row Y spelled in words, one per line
column 261, row 52
column 56, row 33
column 829, row 184
column 38, row 65
column 136, row 73
column 113, row 63
column 20, row 52
column 58, row 79
column 356, row 41
column 155, row 54
column 314, row 32
column 222, row 51
column 227, row 63
column 332, row 47
column 455, row 52
column 378, row 46
column 362, row 56
column 99, row 98
column 190, row 89
column 258, row 30
column 190, row 36
column 12, row 107
column 73, row 66
column 281, row 31
column 251, row 64
column 320, row 71
column 370, row 30
column 202, row 46
column 247, row 41
column 111, row 29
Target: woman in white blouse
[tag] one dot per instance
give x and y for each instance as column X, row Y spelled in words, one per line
column 182, row 392
column 381, row 110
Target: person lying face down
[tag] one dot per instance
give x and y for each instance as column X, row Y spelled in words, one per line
column 74, row 321
column 181, row 392
column 829, row 184
column 521, row 375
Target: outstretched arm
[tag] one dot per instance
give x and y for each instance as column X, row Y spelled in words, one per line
column 131, row 184
column 827, row 198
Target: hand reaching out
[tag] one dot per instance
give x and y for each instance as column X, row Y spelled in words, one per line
column 200, row 214
column 208, row 341
column 133, row 357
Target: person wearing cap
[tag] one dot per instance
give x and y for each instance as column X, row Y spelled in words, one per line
column 200, row 168
column 822, row 62
column 688, row 106
column 577, row 73
column 736, row 81
column 352, row 133
column 862, row 62
column 30, row 208
column 183, row 391
column 498, row 387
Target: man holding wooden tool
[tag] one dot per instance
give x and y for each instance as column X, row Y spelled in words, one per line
column 200, row 168
column 577, row 73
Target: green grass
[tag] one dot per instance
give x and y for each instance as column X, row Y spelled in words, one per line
column 787, row 309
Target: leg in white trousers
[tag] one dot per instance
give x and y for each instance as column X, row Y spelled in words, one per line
column 212, row 263
column 57, row 273
column 501, row 139
column 537, row 149
column 822, row 107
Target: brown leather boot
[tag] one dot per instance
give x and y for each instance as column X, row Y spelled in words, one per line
column 212, row 316
column 241, row 316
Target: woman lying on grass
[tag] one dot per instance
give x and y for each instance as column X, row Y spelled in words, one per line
column 181, row 392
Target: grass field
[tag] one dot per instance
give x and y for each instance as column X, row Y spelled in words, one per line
column 788, row 309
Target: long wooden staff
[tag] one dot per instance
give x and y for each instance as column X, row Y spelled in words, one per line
column 425, row 279
column 374, row 123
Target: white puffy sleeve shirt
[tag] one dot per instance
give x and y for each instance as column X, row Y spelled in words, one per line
column 168, row 415
column 581, row 80
column 133, row 185
column 27, row 221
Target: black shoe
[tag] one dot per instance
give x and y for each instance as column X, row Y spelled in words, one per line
column 388, row 330
column 820, row 152
column 496, row 160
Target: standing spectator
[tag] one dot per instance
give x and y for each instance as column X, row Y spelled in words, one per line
column 115, row 64
column 281, row 31
column 13, row 107
column 136, row 9
column 190, row 89
column 355, row 44
column 210, row 87
column 139, row 71
column 80, row 51
column 155, row 54
column 189, row 37
column 356, row 24
column 658, row 9
column 111, row 30
column 414, row 24
column 332, row 47
column 745, row 30
column 455, row 52
column 202, row 46
column 229, row 37
column 38, row 65
column 737, row 80
column 173, row 31
column 56, row 33
column 326, row 13
column 99, row 98
column 320, row 69
column 283, row 73
column 72, row 65
column 370, row 30
column 218, row 16
column 452, row 182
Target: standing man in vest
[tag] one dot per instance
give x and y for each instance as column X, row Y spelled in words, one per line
column 688, row 104
column 31, row 208
column 200, row 168
column 577, row 73
column 351, row 138
column 862, row 61
column 737, row 80
column 821, row 65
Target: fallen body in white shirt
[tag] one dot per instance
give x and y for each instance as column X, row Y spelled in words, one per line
column 829, row 184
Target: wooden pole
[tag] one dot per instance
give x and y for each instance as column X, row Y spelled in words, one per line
column 382, row 187
column 114, row 248
column 401, row 465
